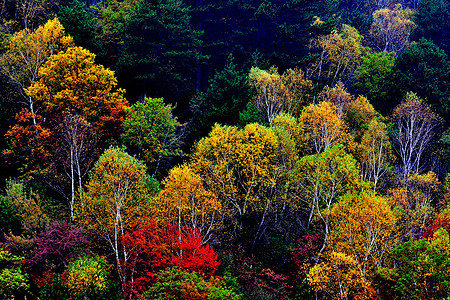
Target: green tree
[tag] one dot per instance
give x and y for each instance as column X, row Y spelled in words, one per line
column 227, row 94
column 151, row 129
column 174, row 283
column 423, row 69
column 13, row 280
column 370, row 76
column 81, row 25
column 420, row 268
column 433, row 22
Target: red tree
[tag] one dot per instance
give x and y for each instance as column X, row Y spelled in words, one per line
column 153, row 248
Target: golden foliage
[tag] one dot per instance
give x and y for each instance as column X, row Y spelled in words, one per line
column 338, row 277
column 277, row 93
column 363, row 227
column 391, row 28
column 324, row 126
column 185, row 200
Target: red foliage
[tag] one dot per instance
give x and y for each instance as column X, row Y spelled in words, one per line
column 441, row 220
column 154, row 248
column 42, row 280
column 29, row 146
column 303, row 256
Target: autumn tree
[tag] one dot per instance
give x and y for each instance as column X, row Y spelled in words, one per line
column 27, row 52
column 337, row 95
column 151, row 128
column 321, row 179
column 185, row 201
column 153, row 247
column 71, row 80
column 76, row 151
column 324, row 126
column 375, row 152
column 363, row 227
column 341, row 55
column 391, row 28
column 415, row 128
column 239, row 166
column 337, row 277
column 114, row 196
column 277, row 93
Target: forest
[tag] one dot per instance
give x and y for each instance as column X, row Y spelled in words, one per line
column 225, row 149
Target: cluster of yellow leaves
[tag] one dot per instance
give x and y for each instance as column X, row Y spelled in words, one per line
column 27, row 52
column 324, row 126
column 363, row 227
column 71, row 80
column 238, row 165
column 341, row 55
column 186, row 201
column 338, row 277
column 86, row 274
column 277, row 93
column 374, row 152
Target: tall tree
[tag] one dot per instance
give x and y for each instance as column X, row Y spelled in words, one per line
column 415, row 124
column 76, row 151
column 321, row 179
column 27, row 52
column 113, row 198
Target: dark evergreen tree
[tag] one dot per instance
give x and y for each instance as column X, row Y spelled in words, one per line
column 433, row 22
column 79, row 22
column 160, row 51
column 227, row 94
column 423, row 69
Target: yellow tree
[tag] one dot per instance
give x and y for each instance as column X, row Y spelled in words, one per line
column 185, row 200
column 239, row 166
column 337, row 95
column 277, row 93
column 324, row 126
column 295, row 129
column 27, row 52
column 364, row 229
column 342, row 53
column 72, row 80
column 337, row 277
column 391, row 28
column 113, row 198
